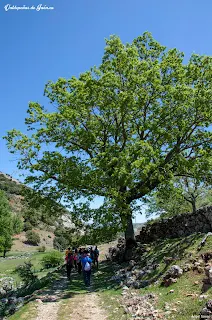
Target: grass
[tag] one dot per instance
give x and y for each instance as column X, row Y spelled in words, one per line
column 181, row 304
column 184, row 302
column 28, row 311
column 7, row 266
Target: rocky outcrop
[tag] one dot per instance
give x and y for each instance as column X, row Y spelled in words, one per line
column 179, row 226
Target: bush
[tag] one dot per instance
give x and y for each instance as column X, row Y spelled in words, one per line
column 60, row 243
column 41, row 249
column 32, row 237
column 17, row 224
column 52, row 259
column 26, row 273
column 27, row 226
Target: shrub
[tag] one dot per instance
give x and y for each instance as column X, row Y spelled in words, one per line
column 32, row 237
column 27, row 226
column 17, row 224
column 52, row 259
column 41, row 249
column 60, row 243
column 49, row 236
column 26, row 273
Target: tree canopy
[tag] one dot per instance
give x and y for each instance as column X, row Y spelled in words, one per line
column 121, row 129
column 6, row 224
column 178, row 196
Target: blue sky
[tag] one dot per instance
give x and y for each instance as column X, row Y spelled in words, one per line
column 37, row 46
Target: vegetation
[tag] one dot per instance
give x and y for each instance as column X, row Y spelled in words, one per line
column 33, row 213
column 10, row 187
column 125, row 127
column 178, row 196
column 26, row 273
column 17, row 224
column 185, row 301
column 42, row 249
column 27, row 226
column 52, row 259
column 8, row 266
column 60, row 243
column 32, row 237
column 6, row 227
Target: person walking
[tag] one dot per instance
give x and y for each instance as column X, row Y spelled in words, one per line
column 75, row 258
column 86, row 267
column 79, row 264
column 68, row 251
column 92, row 254
column 69, row 264
column 96, row 257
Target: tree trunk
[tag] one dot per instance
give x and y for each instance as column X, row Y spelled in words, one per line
column 194, row 206
column 130, row 239
column 129, row 233
column 4, row 254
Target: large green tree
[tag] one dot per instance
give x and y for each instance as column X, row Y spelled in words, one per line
column 6, row 225
column 120, row 129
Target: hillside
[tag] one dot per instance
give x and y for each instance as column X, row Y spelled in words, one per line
column 42, row 223
column 14, row 190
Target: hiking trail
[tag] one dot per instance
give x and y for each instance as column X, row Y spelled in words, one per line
column 57, row 303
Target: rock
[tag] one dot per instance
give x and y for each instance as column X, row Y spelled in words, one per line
column 132, row 263
column 38, row 300
column 172, row 274
column 206, row 312
column 169, row 281
column 125, row 288
column 142, row 307
column 200, row 269
column 187, row 267
column 208, row 273
column 209, row 305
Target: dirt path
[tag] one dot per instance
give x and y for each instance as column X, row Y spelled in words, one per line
column 84, row 307
column 58, row 303
column 48, row 311
column 48, row 302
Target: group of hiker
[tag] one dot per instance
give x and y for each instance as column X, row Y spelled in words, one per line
column 81, row 260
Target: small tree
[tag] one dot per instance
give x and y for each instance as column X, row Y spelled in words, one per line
column 26, row 273
column 6, row 228
column 17, row 224
column 27, row 226
column 52, row 259
column 60, row 243
column 32, row 237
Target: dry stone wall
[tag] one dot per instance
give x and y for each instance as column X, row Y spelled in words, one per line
column 178, row 226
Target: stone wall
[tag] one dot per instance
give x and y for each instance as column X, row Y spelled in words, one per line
column 178, row 226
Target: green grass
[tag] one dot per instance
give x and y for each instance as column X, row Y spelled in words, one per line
column 28, row 311
column 7, row 267
column 184, row 301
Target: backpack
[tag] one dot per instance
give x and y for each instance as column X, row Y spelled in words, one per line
column 87, row 266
